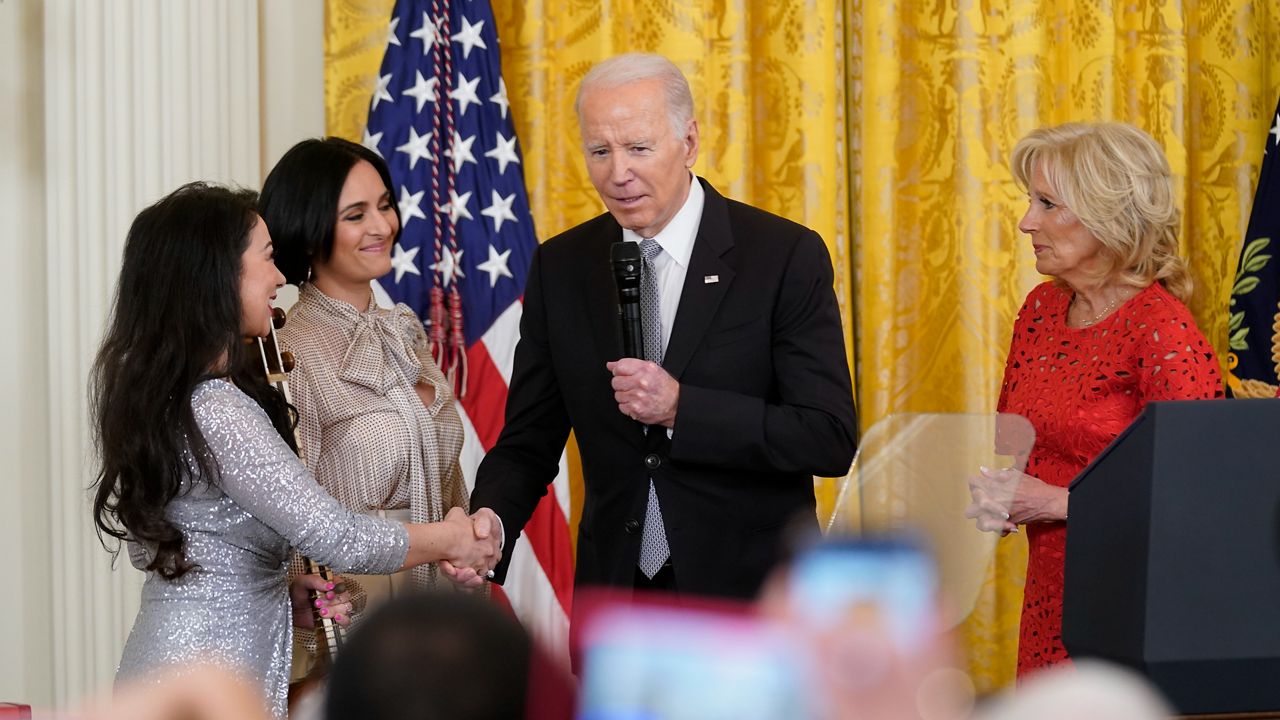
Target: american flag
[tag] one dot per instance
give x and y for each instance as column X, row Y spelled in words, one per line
column 440, row 117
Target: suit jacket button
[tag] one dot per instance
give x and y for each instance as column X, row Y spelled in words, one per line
column 652, row 461
column 632, row 526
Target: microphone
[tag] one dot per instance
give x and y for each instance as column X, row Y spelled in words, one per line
column 625, row 257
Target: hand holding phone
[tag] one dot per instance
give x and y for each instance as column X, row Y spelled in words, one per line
column 868, row 611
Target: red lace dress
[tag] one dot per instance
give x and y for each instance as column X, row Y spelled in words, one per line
column 1080, row 387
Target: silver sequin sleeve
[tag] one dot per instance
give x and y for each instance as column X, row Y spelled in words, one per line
column 264, row 477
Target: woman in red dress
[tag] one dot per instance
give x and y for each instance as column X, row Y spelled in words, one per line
column 1091, row 347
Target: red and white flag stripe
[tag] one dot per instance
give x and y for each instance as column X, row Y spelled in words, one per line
column 539, row 583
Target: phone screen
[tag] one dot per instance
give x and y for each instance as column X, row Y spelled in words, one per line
column 889, row 586
column 676, row 663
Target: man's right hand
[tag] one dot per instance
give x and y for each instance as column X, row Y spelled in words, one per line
column 479, row 547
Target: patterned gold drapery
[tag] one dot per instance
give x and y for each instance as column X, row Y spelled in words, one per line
column 939, row 94
column 905, row 174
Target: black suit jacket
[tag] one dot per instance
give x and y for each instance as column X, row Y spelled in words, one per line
column 765, row 401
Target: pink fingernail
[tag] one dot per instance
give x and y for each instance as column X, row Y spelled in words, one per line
column 339, row 618
column 324, row 612
column 329, row 595
column 329, row 586
column 319, row 604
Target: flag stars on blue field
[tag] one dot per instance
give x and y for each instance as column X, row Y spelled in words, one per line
column 464, row 91
column 450, row 265
column 429, row 33
column 441, row 99
column 381, row 92
column 410, row 206
column 504, row 151
column 500, row 210
column 424, row 90
column 496, row 265
column 460, row 150
column 457, row 206
column 500, row 98
column 417, row 148
column 392, row 37
column 402, row 261
column 469, row 37
column 371, row 141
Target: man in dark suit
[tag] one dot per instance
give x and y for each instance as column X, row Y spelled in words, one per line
column 693, row 465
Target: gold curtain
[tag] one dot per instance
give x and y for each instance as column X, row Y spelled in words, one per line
column 904, row 174
column 939, row 93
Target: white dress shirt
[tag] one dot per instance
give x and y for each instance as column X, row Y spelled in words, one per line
column 672, row 264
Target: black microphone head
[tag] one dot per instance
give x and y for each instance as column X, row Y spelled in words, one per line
column 625, row 257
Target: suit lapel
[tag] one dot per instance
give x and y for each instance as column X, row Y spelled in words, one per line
column 700, row 298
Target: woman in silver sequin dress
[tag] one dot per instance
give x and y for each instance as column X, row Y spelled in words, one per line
column 198, row 470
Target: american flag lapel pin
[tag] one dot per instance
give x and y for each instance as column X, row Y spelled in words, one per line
column 710, row 279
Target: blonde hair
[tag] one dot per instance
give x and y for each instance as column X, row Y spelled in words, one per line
column 1116, row 180
column 635, row 67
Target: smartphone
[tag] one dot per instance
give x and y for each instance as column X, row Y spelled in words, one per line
column 673, row 663
column 888, row 586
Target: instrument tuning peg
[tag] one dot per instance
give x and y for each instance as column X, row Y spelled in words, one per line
column 287, row 361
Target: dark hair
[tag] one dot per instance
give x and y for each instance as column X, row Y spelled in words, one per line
column 299, row 200
column 175, row 321
column 433, row 655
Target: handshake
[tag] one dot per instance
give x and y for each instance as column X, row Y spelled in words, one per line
column 475, row 547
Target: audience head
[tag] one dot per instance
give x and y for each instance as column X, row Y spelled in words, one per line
column 312, row 223
column 187, row 692
column 439, row 655
column 1115, row 180
column 1090, row 689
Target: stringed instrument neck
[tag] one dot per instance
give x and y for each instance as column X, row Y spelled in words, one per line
column 277, row 365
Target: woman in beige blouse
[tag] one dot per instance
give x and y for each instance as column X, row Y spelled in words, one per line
column 376, row 417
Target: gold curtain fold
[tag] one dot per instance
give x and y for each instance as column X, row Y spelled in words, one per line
column 939, row 93
column 887, row 126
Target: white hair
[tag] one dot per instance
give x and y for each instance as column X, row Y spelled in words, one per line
column 634, row 67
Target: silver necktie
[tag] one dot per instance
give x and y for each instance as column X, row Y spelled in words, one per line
column 653, row 542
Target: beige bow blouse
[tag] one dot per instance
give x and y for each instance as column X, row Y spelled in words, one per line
column 364, row 430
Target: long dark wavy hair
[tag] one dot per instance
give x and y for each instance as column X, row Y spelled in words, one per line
column 300, row 200
column 175, row 322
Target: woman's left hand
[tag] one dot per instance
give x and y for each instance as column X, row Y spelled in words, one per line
column 1004, row 499
column 331, row 601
